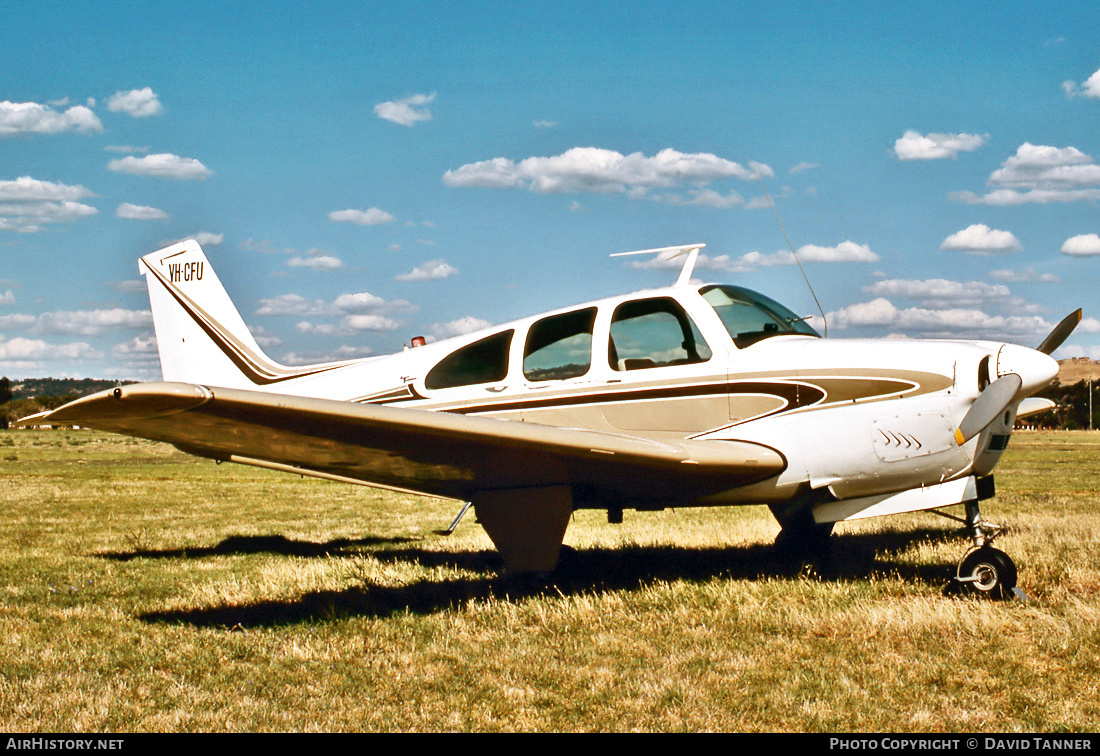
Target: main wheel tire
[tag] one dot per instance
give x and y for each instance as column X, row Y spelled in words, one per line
column 988, row 572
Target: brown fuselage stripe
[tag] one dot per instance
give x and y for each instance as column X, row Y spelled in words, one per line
column 794, row 394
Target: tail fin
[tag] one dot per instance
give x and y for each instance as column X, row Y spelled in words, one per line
column 200, row 335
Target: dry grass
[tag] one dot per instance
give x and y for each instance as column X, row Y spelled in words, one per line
column 144, row 590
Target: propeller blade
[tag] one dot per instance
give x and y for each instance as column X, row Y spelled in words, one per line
column 990, row 403
column 1060, row 333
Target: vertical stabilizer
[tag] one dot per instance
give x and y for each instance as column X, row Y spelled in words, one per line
column 200, row 335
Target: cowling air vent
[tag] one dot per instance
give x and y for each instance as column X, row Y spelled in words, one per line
column 899, row 437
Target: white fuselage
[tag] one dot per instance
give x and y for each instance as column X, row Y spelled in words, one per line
column 858, row 417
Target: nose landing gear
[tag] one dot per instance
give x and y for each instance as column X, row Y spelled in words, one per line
column 984, row 570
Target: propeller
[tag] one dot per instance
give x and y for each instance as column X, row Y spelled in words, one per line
column 1060, row 333
column 990, row 403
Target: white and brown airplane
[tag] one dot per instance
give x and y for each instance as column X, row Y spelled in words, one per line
column 691, row 395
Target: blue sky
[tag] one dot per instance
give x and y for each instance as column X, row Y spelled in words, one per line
column 361, row 173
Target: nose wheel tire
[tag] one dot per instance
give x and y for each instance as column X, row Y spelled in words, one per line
column 986, row 571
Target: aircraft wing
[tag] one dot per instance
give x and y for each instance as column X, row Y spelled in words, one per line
column 435, row 453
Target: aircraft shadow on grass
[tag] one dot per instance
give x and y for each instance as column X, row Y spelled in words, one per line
column 241, row 545
column 603, row 569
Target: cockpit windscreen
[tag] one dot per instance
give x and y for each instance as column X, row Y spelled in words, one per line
column 750, row 316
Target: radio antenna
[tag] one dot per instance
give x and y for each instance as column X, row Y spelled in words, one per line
column 791, row 246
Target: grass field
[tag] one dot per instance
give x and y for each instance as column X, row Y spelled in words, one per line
column 145, row 590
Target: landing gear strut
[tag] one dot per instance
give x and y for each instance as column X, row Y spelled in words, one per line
column 984, row 570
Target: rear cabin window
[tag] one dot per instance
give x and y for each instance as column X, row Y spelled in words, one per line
column 559, row 347
column 652, row 333
column 484, row 361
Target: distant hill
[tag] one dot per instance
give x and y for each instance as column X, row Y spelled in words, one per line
column 1077, row 370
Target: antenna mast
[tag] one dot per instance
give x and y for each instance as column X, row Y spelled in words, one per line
column 691, row 250
column 791, row 246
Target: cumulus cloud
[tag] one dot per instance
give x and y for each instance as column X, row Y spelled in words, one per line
column 980, row 238
column 846, row 251
column 17, row 322
column 340, row 354
column 1042, row 166
column 363, row 300
column 161, row 165
column 139, row 103
column 145, row 345
column 204, row 238
column 459, row 327
column 429, row 271
column 723, row 263
column 93, row 322
column 1008, row 197
column 28, row 352
column 842, row 253
column 591, row 169
column 938, row 323
column 291, row 304
column 1024, row 274
column 7, row 298
column 915, row 146
column 77, row 322
column 208, row 239
column 31, row 216
column 33, row 118
column 370, row 217
column 408, row 111
column 939, row 292
column 26, row 204
column 325, row 329
column 27, row 189
column 702, row 198
column 1084, row 245
column 1040, row 174
column 140, row 212
column 316, row 262
column 1089, row 88
column 353, row 323
column 356, row 313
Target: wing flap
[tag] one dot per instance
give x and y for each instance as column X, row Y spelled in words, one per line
column 431, row 452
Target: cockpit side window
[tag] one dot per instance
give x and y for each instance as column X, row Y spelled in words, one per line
column 650, row 333
column 750, row 316
column 484, row 361
column 559, row 347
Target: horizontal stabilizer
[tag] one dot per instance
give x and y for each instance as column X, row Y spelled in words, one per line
column 1033, row 405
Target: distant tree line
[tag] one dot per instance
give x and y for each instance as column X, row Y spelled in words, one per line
column 1072, row 406
column 33, row 395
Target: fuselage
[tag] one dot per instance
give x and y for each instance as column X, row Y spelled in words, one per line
column 855, row 416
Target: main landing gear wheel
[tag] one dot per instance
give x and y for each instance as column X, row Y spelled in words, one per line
column 986, row 571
